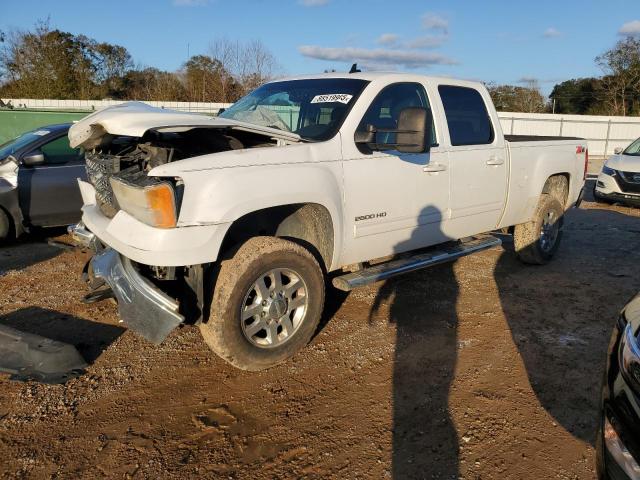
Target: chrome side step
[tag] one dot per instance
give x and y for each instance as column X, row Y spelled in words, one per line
column 419, row 261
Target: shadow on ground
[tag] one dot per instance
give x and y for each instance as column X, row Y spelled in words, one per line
column 30, row 249
column 561, row 338
column 89, row 338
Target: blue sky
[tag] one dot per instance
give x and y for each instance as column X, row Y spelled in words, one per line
column 499, row 41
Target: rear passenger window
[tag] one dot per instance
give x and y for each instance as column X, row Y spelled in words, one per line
column 467, row 116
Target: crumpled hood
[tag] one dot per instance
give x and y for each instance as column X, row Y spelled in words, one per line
column 133, row 119
column 625, row 163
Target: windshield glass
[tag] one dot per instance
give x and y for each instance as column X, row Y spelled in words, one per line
column 633, row 149
column 12, row 146
column 314, row 109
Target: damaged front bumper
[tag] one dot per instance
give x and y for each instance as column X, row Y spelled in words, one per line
column 142, row 306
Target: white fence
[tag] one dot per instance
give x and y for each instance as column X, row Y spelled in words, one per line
column 91, row 105
column 603, row 133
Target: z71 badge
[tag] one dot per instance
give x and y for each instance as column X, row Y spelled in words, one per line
column 370, row 216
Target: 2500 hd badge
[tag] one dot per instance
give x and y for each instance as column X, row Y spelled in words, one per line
column 370, row 216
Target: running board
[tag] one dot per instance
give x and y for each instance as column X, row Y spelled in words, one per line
column 419, row 261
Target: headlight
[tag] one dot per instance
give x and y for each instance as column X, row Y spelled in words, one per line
column 608, row 171
column 619, row 451
column 153, row 204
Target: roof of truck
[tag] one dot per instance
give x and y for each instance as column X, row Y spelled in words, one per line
column 390, row 76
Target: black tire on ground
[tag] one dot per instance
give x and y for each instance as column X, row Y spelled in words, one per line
column 530, row 244
column 235, row 338
column 5, row 226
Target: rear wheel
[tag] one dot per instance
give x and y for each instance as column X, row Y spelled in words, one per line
column 266, row 305
column 538, row 240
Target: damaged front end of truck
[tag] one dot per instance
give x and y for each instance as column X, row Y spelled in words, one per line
column 123, row 145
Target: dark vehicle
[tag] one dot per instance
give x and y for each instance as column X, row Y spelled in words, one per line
column 618, row 442
column 38, row 181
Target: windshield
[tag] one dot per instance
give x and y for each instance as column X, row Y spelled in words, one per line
column 314, row 109
column 633, row 149
column 12, row 146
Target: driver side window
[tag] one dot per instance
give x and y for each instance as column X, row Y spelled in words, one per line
column 385, row 109
column 58, row 151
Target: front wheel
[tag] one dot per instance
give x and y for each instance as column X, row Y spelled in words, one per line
column 537, row 241
column 266, row 305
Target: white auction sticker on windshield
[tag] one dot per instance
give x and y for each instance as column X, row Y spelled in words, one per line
column 41, row 133
column 332, row 97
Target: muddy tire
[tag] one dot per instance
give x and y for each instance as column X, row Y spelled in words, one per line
column 537, row 241
column 267, row 302
column 5, row 227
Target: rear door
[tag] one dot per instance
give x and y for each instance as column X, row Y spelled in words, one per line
column 477, row 158
column 49, row 193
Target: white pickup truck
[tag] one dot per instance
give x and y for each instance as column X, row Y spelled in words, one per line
column 235, row 222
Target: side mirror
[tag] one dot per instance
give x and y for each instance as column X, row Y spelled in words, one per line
column 411, row 134
column 617, row 150
column 367, row 136
column 412, row 130
column 33, row 158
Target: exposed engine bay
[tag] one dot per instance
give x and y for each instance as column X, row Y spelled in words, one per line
column 130, row 158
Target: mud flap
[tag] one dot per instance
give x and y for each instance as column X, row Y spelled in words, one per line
column 31, row 357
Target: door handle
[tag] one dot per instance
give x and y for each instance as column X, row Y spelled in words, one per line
column 495, row 160
column 434, row 167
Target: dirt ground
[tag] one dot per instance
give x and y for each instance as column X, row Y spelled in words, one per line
column 483, row 369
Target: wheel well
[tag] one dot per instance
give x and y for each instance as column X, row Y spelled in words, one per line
column 309, row 224
column 558, row 186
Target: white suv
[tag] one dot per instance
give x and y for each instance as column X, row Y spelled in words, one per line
column 619, row 180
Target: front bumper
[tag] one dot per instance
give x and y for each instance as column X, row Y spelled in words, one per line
column 607, row 188
column 142, row 306
column 169, row 247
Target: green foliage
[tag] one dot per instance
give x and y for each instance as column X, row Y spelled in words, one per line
column 510, row 98
column 581, row 96
column 47, row 63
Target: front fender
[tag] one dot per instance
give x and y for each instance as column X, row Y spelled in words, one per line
column 225, row 195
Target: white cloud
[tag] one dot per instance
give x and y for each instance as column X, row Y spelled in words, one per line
column 551, row 33
column 190, row 3
column 378, row 57
column 427, row 41
column 433, row 21
column 631, row 28
column 388, row 39
column 313, row 3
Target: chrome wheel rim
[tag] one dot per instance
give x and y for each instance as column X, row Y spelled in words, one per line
column 549, row 231
column 274, row 307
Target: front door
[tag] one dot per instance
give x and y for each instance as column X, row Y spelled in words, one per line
column 394, row 202
column 49, row 193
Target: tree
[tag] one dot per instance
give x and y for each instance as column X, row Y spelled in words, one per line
column 249, row 64
column 510, row 98
column 621, row 83
column 581, row 96
column 153, row 84
column 46, row 63
column 207, row 80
